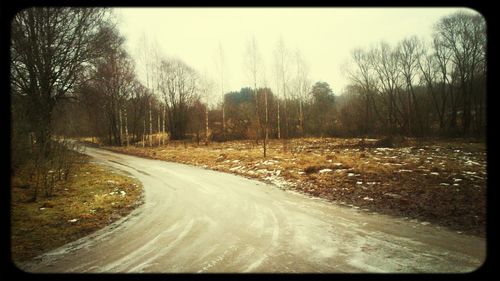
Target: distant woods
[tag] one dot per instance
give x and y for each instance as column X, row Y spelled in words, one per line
column 72, row 76
column 419, row 88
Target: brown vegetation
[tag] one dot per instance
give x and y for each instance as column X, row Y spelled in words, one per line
column 92, row 198
column 442, row 182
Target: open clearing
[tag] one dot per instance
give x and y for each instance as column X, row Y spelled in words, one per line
column 198, row 220
column 433, row 181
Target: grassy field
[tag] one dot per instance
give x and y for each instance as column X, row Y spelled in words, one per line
column 431, row 181
column 93, row 197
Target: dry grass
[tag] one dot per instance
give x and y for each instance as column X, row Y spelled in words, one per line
column 442, row 182
column 92, row 198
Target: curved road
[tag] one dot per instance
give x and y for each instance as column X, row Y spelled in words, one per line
column 197, row 220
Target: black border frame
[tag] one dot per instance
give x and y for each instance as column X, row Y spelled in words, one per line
column 488, row 271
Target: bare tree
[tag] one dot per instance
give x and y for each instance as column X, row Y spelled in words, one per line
column 206, row 87
column 281, row 61
column 252, row 64
column 278, row 87
column 434, row 69
column 409, row 54
column 113, row 77
column 464, row 35
column 363, row 76
column 178, row 85
column 220, row 65
column 50, row 48
column 384, row 61
column 302, row 86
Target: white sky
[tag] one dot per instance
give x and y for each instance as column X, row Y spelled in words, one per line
column 325, row 36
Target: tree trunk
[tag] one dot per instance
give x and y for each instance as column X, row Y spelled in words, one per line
column 144, row 133
column 223, row 122
column 163, row 125
column 267, row 125
column 279, row 126
column 257, row 113
column 206, row 125
column 159, row 131
column 150, row 125
column 120, row 125
column 126, row 128
column 301, row 118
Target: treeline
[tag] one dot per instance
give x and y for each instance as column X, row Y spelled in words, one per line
column 419, row 88
column 71, row 76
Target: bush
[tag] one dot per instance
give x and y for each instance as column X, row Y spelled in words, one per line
column 51, row 164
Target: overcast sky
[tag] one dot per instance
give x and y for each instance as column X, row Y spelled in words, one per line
column 325, row 36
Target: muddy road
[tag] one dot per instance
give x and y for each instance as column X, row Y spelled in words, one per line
column 197, row 220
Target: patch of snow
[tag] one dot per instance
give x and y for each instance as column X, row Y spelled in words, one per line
column 368, row 199
column 41, row 209
column 392, row 195
column 359, row 182
column 325, row 171
column 434, row 173
column 444, row 184
column 73, row 220
column 350, row 175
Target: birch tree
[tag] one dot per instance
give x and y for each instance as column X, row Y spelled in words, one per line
column 206, row 88
column 302, row 86
column 252, row 63
column 220, row 65
column 281, row 61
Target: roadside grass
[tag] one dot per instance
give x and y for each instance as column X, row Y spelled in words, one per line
column 93, row 197
column 425, row 180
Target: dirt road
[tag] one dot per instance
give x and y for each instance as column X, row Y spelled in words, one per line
column 197, row 220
